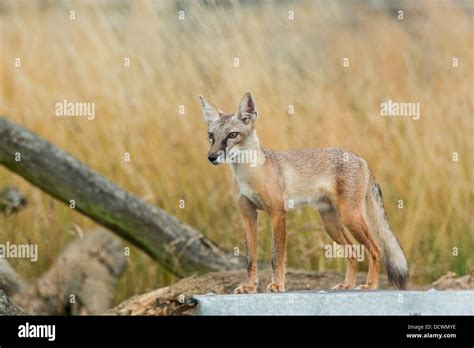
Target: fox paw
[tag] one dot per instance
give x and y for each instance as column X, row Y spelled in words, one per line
column 275, row 287
column 246, row 289
column 342, row 286
column 367, row 287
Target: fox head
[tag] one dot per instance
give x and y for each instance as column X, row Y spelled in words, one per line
column 229, row 132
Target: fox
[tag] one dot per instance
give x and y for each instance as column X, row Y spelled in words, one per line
column 336, row 182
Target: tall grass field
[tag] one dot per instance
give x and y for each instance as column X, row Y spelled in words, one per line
column 319, row 71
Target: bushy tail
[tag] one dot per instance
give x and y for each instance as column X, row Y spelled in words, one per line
column 395, row 260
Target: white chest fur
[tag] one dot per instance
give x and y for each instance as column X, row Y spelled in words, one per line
column 242, row 177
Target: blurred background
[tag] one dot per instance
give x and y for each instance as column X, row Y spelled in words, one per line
column 180, row 49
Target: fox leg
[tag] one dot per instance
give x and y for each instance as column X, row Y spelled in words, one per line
column 356, row 223
column 278, row 220
column 249, row 216
column 335, row 229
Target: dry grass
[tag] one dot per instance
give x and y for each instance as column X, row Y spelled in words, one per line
column 282, row 62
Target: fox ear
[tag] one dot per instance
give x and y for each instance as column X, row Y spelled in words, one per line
column 209, row 112
column 247, row 109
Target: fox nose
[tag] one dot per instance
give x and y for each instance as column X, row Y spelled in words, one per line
column 212, row 158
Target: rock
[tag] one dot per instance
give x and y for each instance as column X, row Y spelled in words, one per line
column 87, row 272
column 11, row 200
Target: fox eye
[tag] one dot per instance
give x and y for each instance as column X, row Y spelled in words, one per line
column 233, row 135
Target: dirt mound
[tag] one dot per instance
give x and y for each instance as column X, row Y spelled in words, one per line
column 175, row 299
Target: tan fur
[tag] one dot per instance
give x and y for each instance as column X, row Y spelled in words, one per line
column 337, row 182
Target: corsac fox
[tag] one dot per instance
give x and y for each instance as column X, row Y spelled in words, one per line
column 336, row 182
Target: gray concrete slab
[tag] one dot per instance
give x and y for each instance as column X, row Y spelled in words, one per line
column 380, row 302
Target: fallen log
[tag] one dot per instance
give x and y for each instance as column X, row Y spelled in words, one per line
column 7, row 307
column 177, row 246
column 81, row 281
column 10, row 281
column 451, row 281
